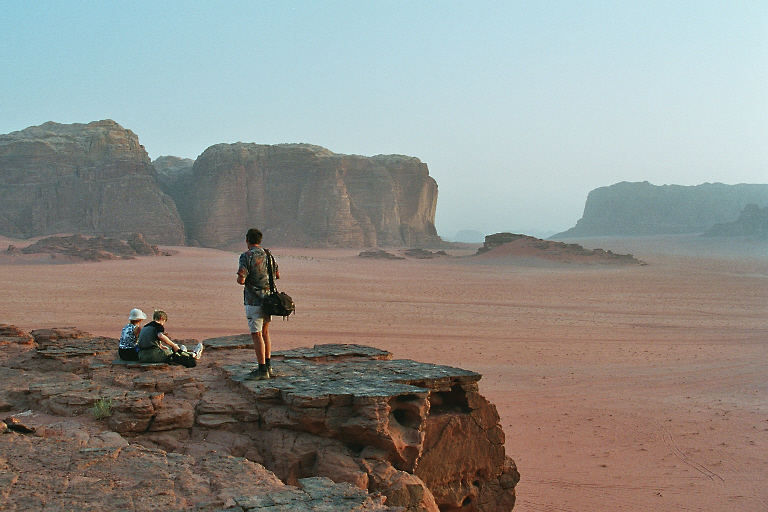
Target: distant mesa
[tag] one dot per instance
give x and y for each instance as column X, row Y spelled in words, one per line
column 170, row 169
column 94, row 179
column 645, row 209
column 469, row 236
column 511, row 246
column 752, row 222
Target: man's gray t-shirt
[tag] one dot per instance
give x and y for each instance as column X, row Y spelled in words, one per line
column 254, row 262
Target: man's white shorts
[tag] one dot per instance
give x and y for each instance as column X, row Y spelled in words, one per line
column 255, row 318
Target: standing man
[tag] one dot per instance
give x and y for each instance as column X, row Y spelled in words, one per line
column 253, row 275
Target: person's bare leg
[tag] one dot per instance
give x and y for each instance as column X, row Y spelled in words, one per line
column 267, row 341
column 258, row 346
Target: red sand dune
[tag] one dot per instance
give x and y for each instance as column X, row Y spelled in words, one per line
column 619, row 388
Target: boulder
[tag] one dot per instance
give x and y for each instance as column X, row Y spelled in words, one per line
column 301, row 194
column 90, row 178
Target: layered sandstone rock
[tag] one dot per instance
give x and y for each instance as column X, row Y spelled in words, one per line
column 644, row 209
column 79, row 247
column 418, row 435
column 103, row 471
column 304, row 194
column 519, row 247
column 90, row 178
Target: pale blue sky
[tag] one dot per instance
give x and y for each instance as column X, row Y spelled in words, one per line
column 519, row 107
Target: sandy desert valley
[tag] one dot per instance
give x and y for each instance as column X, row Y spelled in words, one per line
column 619, row 388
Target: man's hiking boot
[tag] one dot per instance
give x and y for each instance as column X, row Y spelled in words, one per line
column 258, row 374
column 273, row 373
column 198, row 350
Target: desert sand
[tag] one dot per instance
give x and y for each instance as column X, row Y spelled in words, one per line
column 619, row 388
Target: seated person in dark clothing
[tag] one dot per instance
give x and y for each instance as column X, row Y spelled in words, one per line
column 156, row 347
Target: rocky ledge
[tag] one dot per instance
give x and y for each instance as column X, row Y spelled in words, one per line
column 517, row 246
column 344, row 427
column 84, row 248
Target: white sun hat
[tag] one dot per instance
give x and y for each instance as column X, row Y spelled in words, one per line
column 136, row 314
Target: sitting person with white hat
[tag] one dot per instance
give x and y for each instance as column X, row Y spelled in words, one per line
column 128, row 349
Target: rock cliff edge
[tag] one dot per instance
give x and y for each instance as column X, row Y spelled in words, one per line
column 345, row 427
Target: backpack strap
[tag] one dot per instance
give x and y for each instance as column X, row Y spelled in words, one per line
column 270, row 271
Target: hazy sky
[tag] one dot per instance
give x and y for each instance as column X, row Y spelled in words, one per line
column 519, row 108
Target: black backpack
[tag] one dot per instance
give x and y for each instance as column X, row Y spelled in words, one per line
column 276, row 303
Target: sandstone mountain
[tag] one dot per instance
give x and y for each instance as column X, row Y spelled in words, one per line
column 645, row 209
column 752, row 222
column 96, row 179
column 300, row 194
column 90, row 178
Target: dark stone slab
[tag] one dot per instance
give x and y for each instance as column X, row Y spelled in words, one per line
column 137, row 364
column 307, row 378
column 69, row 342
column 334, row 352
column 229, row 342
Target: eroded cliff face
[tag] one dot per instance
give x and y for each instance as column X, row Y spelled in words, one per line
column 645, row 209
column 343, row 427
column 90, row 178
column 300, row 194
column 96, row 179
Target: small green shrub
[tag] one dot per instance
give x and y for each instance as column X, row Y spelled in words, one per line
column 102, row 408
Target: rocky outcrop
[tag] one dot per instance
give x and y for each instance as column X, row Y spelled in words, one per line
column 419, row 254
column 752, row 222
column 379, row 254
column 104, row 471
column 301, row 194
column 344, row 427
column 644, row 209
column 90, row 178
column 521, row 247
column 79, row 247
